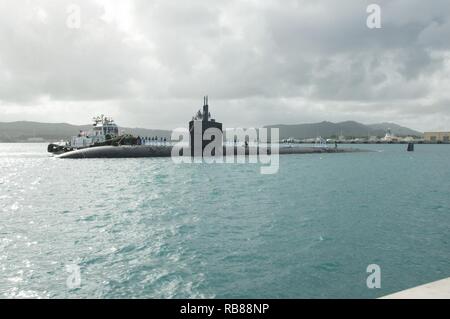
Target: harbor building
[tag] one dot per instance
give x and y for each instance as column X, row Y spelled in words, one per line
column 389, row 137
column 443, row 137
column 198, row 125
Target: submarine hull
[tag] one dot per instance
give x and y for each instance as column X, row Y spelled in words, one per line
column 138, row 151
column 128, row 151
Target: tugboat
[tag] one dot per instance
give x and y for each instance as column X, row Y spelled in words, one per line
column 104, row 132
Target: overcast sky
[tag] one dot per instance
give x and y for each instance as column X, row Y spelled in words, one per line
column 149, row 63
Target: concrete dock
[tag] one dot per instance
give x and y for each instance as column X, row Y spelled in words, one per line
column 435, row 290
column 137, row 151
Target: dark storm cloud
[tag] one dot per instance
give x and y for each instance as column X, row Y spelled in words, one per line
column 42, row 56
column 289, row 61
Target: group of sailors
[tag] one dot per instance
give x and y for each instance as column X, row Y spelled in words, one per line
column 145, row 140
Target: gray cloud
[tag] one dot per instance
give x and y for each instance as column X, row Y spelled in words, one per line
column 260, row 61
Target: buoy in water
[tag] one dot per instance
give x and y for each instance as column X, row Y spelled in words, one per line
column 410, row 147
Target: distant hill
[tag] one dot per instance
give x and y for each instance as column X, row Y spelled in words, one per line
column 348, row 129
column 49, row 132
column 396, row 129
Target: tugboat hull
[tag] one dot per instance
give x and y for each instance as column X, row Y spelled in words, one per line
column 58, row 149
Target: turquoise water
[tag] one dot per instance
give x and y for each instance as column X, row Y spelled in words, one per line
column 147, row 228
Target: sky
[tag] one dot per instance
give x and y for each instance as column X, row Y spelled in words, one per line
column 148, row 63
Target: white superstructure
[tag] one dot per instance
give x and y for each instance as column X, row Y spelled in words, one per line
column 103, row 129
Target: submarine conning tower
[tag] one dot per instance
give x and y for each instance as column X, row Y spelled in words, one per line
column 201, row 122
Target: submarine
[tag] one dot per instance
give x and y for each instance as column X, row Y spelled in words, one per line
column 105, row 142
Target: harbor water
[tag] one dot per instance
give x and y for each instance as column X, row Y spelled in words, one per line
column 149, row 228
